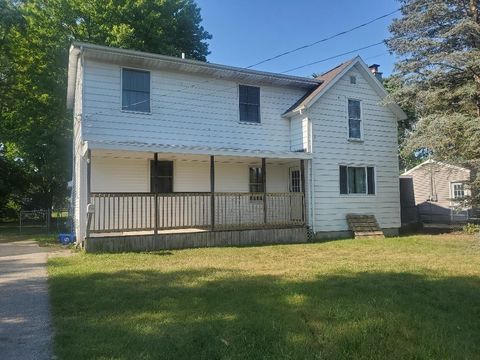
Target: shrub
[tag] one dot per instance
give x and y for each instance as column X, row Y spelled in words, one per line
column 471, row 229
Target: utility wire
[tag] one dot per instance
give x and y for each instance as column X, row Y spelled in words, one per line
column 191, row 106
column 322, row 40
column 332, row 57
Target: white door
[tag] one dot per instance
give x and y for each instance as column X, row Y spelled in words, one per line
column 295, row 180
column 296, row 203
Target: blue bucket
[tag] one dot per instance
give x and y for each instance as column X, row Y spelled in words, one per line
column 66, row 239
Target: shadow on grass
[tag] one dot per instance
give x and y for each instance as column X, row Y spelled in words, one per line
column 223, row 314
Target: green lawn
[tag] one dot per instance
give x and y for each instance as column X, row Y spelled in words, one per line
column 400, row 298
column 34, row 233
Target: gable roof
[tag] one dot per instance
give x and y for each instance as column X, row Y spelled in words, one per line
column 325, row 79
column 431, row 161
column 331, row 77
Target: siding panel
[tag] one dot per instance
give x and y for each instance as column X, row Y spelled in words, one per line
column 187, row 110
column 331, row 148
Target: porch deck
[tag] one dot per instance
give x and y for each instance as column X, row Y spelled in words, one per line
column 152, row 221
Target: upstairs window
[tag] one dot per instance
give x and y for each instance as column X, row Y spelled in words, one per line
column 458, row 190
column 135, row 90
column 249, row 103
column 357, row 180
column 161, row 177
column 354, row 119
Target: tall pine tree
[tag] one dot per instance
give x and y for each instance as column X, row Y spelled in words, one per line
column 437, row 43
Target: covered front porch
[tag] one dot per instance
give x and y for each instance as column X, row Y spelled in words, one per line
column 151, row 196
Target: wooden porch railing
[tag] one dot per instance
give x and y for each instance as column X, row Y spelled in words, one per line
column 122, row 212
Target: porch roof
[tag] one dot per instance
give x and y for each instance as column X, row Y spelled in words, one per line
column 193, row 150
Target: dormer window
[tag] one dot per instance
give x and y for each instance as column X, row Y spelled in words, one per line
column 136, row 90
column 249, row 103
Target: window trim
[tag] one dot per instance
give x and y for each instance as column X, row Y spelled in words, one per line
column 259, row 105
column 121, row 91
column 452, row 190
column 366, row 180
column 361, row 138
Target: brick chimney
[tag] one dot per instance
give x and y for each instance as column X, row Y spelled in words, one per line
column 374, row 69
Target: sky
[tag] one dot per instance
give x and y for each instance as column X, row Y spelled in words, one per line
column 248, row 31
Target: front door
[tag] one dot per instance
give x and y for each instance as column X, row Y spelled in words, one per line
column 296, row 203
column 295, row 180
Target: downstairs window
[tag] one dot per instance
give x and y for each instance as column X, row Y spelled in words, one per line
column 357, row 180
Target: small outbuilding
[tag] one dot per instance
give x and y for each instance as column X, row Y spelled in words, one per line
column 435, row 192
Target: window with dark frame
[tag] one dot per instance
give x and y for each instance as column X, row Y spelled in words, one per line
column 354, row 119
column 161, row 177
column 249, row 103
column 135, row 90
column 357, row 180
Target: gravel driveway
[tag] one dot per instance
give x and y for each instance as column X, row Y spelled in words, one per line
column 25, row 326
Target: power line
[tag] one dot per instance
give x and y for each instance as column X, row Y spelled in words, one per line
column 191, row 106
column 323, row 40
column 332, row 57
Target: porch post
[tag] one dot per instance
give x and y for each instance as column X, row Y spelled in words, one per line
column 89, row 174
column 212, row 191
column 155, row 230
column 302, row 181
column 89, row 184
column 264, row 181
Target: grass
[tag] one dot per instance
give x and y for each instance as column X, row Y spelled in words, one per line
column 414, row 297
column 34, row 233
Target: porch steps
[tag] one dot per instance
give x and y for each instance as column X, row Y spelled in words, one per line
column 364, row 226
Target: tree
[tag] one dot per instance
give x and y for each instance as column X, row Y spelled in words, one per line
column 438, row 47
column 33, row 114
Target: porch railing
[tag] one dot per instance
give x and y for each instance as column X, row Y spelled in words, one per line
column 123, row 212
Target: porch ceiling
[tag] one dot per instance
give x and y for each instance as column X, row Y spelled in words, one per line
column 193, row 150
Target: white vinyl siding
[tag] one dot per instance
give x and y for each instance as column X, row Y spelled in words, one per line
column 300, row 134
column 125, row 172
column 329, row 118
column 186, row 110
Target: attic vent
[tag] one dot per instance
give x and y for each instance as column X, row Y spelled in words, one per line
column 353, row 79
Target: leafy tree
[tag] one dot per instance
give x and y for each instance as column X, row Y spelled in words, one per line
column 438, row 47
column 37, row 35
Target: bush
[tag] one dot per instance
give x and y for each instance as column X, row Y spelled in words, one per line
column 471, row 229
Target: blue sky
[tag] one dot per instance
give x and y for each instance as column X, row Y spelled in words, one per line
column 247, row 31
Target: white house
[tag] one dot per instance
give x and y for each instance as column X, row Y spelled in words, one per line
column 186, row 153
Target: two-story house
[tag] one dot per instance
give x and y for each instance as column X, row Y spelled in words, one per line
column 172, row 152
